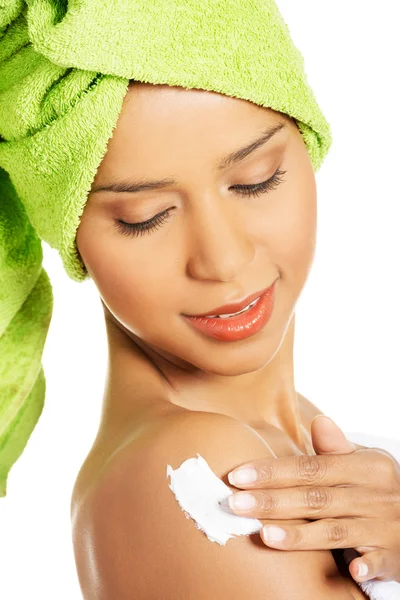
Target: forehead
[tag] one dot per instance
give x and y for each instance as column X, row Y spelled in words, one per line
column 169, row 126
column 149, row 108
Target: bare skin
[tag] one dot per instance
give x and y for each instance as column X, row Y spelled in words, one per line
column 216, row 247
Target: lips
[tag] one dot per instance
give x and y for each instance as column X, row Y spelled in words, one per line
column 238, row 327
column 235, row 307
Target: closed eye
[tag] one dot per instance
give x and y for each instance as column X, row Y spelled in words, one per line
column 137, row 229
column 260, row 188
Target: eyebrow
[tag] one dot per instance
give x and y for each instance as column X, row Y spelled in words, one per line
column 232, row 158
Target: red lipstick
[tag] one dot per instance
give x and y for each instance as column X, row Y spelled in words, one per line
column 238, row 327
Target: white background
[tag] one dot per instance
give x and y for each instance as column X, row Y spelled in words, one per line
column 348, row 325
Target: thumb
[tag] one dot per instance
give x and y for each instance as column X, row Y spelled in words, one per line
column 328, row 438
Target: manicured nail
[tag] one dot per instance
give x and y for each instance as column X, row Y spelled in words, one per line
column 273, row 533
column 362, row 569
column 247, row 475
column 242, row 501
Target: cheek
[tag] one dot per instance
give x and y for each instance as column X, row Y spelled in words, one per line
column 133, row 279
column 300, row 231
column 300, row 236
column 289, row 230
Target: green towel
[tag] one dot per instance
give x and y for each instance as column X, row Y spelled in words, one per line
column 65, row 67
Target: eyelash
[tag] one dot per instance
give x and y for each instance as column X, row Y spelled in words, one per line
column 137, row 229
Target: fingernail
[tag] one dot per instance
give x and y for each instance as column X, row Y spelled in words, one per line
column 320, row 415
column 273, row 533
column 362, row 569
column 242, row 501
column 247, row 475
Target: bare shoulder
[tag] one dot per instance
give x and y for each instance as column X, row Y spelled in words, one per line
column 131, row 538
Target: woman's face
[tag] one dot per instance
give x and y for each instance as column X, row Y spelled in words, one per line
column 211, row 245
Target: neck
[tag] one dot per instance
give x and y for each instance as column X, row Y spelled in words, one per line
column 141, row 383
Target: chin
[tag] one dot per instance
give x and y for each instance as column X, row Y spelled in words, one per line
column 222, row 362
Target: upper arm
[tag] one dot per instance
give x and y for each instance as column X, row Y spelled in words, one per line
column 143, row 546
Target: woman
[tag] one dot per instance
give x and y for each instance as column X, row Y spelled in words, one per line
column 239, row 218
column 175, row 389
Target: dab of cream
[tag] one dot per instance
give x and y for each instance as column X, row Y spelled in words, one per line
column 198, row 491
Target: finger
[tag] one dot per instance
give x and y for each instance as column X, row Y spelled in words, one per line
column 329, row 533
column 380, row 565
column 367, row 467
column 328, row 438
column 307, row 502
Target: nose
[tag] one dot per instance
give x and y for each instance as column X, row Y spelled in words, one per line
column 220, row 247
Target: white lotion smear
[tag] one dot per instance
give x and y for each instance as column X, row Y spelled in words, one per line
column 198, row 491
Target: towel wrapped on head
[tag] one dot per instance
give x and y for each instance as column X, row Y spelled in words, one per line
column 65, row 67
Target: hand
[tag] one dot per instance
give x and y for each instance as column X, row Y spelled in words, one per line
column 350, row 492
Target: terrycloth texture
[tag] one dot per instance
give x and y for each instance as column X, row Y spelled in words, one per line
column 65, row 67
column 374, row 588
